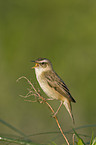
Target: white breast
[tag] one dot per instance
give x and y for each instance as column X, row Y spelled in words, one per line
column 50, row 92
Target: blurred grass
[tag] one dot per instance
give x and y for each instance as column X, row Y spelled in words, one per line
column 16, row 141
column 64, row 32
column 26, row 139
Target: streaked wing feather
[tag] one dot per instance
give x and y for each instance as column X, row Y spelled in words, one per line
column 56, row 82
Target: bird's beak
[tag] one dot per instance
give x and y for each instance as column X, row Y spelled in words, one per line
column 36, row 64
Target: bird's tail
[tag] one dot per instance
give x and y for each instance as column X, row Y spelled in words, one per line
column 68, row 106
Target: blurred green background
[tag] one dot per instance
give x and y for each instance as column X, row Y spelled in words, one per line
column 65, row 33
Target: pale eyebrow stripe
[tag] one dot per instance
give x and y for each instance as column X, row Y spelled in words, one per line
column 43, row 61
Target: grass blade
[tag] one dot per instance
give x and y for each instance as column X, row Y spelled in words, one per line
column 17, row 141
column 80, row 140
column 12, row 127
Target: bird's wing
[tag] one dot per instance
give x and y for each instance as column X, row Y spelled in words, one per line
column 56, row 82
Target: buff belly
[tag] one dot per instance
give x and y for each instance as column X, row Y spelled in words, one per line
column 49, row 91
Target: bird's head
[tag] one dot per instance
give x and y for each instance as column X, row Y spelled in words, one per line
column 42, row 64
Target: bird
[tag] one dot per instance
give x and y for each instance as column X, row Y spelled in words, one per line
column 52, row 85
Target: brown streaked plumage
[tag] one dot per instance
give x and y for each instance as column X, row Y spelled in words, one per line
column 52, row 84
column 56, row 82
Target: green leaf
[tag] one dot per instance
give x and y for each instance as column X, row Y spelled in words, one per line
column 92, row 138
column 80, row 142
column 94, row 141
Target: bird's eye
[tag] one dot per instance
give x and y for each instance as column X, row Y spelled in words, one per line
column 43, row 63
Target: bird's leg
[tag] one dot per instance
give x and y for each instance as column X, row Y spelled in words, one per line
column 57, row 109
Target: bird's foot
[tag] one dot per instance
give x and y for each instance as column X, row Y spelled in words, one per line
column 42, row 100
